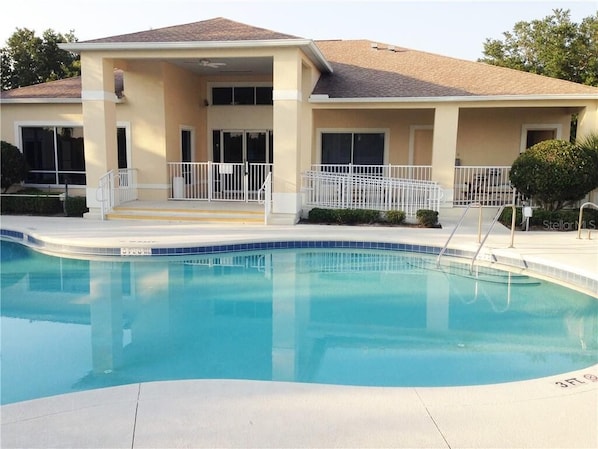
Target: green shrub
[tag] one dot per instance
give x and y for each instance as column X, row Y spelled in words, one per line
column 31, row 205
column 319, row 215
column 559, row 220
column 347, row 216
column 507, row 214
column 12, row 165
column 344, row 216
column 366, row 216
column 358, row 216
column 427, row 218
column 76, row 206
column 395, row 216
column 589, row 142
column 555, row 173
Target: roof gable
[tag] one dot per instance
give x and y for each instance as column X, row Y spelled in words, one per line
column 218, row 29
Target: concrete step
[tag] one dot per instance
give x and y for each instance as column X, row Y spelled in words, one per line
column 206, row 216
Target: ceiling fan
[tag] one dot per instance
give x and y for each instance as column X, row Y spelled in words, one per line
column 208, row 63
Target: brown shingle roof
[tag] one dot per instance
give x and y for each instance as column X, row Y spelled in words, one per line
column 68, row 88
column 218, row 29
column 361, row 71
column 64, row 88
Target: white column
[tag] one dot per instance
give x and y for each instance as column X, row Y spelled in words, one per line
column 587, row 121
column 287, row 97
column 99, row 124
column 444, row 149
column 283, row 317
column 106, row 312
column 437, row 303
column 151, row 326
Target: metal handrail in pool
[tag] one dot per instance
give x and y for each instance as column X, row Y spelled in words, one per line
column 580, row 222
column 480, row 241
column 469, row 206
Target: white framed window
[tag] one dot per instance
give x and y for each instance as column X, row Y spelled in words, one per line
column 55, row 151
column 532, row 134
column 240, row 94
column 55, row 154
column 357, row 147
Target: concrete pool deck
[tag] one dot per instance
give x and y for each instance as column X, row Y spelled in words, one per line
column 554, row 412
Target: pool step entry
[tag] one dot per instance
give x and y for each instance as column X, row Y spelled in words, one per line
column 485, row 275
column 514, row 279
column 188, row 215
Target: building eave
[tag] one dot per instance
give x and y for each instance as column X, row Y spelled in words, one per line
column 51, row 100
column 324, row 99
column 40, row 100
column 307, row 45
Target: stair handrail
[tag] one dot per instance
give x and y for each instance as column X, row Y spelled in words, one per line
column 105, row 193
column 580, row 221
column 267, row 189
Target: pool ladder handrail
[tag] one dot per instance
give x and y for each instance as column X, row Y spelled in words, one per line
column 580, row 222
column 496, row 217
column 480, row 240
column 469, row 206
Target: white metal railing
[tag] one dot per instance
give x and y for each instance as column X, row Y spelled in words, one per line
column 217, row 180
column 488, row 186
column 419, row 172
column 127, row 185
column 353, row 191
column 266, row 189
column 114, row 190
column 105, row 193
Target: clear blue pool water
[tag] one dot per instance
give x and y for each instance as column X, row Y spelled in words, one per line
column 338, row 316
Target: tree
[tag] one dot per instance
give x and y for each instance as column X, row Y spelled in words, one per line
column 554, row 46
column 27, row 59
column 13, row 165
column 555, row 173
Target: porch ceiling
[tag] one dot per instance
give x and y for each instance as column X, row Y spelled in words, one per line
column 224, row 66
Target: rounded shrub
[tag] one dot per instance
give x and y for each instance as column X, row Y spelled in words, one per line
column 555, row 173
column 395, row 216
column 427, row 218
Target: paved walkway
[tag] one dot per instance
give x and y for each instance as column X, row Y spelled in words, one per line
column 554, row 412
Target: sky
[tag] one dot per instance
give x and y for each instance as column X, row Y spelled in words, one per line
column 451, row 28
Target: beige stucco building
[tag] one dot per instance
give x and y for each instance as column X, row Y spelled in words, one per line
column 205, row 111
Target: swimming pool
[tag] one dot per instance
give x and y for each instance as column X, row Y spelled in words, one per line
column 341, row 316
